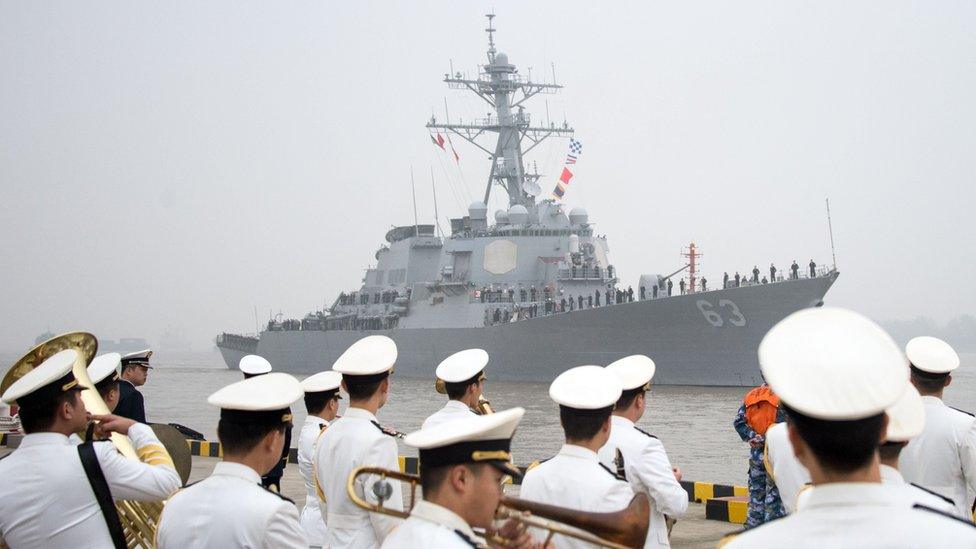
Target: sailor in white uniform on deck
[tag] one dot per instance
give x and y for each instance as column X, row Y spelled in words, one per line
column 356, row 439
column 230, row 508
column 836, row 372
column 943, row 457
column 322, row 404
column 463, row 374
column 464, row 461
column 48, row 499
column 638, row 456
column 575, row 478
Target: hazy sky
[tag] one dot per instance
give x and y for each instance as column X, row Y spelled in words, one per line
column 177, row 164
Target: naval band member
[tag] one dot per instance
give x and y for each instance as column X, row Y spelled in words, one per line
column 837, row 372
column 464, row 461
column 49, row 499
column 230, row 508
column 135, row 373
column 640, row 455
column 943, row 457
column 575, row 478
column 252, row 366
column 104, row 375
column 322, row 404
column 356, row 439
column 785, row 472
column 463, row 374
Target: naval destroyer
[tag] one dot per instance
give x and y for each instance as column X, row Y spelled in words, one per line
column 536, row 288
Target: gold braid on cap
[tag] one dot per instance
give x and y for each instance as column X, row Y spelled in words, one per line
column 487, row 456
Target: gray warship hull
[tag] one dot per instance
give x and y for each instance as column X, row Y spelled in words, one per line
column 706, row 338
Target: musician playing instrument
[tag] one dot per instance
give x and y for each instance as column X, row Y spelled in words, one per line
column 230, row 508
column 639, row 455
column 463, row 461
column 575, row 478
column 104, row 374
column 48, row 498
column 322, row 404
column 463, row 374
column 356, row 439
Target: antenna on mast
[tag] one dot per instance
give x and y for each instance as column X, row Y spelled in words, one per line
column 830, row 230
column 437, row 219
column 413, row 189
column 491, row 38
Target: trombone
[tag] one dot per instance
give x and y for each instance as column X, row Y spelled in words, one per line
column 617, row 530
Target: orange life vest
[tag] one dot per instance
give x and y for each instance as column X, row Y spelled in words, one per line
column 761, row 404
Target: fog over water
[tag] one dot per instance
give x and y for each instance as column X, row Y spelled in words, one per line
column 173, row 167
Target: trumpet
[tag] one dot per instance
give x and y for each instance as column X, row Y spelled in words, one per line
column 484, row 405
column 617, row 530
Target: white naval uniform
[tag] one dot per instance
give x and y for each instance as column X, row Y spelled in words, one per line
column 454, row 409
column 787, row 472
column 647, row 470
column 859, row 515
column 575, row 479
column 47, row 499
column 943, row 457
column 312, row 522
column 914, row 494
column 229, row 509
column 431, row 525
column 352, row 441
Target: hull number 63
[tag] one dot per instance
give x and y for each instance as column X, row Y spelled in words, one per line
column 726, row 311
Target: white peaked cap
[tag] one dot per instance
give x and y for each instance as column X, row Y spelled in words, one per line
column 906, row 417
column 462, row 365
column 141, row 357
column 370, row 355
column 497, row 426
column 322, row 381
column 586, row 388
column 273, row 391
column 633, row 371
column 932, row 355
column 254, row 365
column 832, row 363
column 54, row 368
column 104, row 366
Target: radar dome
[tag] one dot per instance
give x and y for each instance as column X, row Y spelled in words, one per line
column 501, row 59
column 578, row 216
column 518, row 215
column 478, row 210
column 501, row 217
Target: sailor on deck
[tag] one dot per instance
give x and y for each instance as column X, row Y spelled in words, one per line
column 356, row 439
column 639, row 456
column 837, row 372
column 575, row 478
column 49, row 500
column 135, row 373
column 230, row 508
column 463, row 374
column 253, row 366
column 322, row 404
column 465, row 460
column 943, row 457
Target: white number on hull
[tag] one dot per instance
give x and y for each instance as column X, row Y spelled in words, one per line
column 716, row 319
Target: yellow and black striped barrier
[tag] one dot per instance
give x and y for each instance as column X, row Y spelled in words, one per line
column 727, row 509
column 700, row 492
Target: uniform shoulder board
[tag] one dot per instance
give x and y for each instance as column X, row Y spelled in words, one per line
column 322, row 427
column 940, row 496
column 466, row 539
column 963, row 411
column 644, row 432
column 270, row 491
column 944, row 514
column 386, row 431
column 614, row 475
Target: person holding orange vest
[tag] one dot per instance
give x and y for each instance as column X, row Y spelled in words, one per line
column 760, row 410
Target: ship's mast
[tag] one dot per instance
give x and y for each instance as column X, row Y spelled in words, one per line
column 500, row 85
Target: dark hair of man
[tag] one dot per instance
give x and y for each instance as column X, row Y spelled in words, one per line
column 105, row 386
column 361, row 391
column 889, row 450
column 241, row 438
column 840, row 446
column 36, row 416
column 927, row 382
column 457, row 390
column 628, row 397
column 316, row 402
column 582, row 424
column 432, row 478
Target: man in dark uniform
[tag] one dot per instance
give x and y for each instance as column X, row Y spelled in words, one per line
column 813, row 269
column 681, row 285
column 135, row 372
column 772, row 273
column 755, row 274
column 795, row 268
column 725, row 281
column 704, row 283
column 737, row 277
column 670, row 285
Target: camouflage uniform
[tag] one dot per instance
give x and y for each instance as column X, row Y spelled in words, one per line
column 764, row 501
